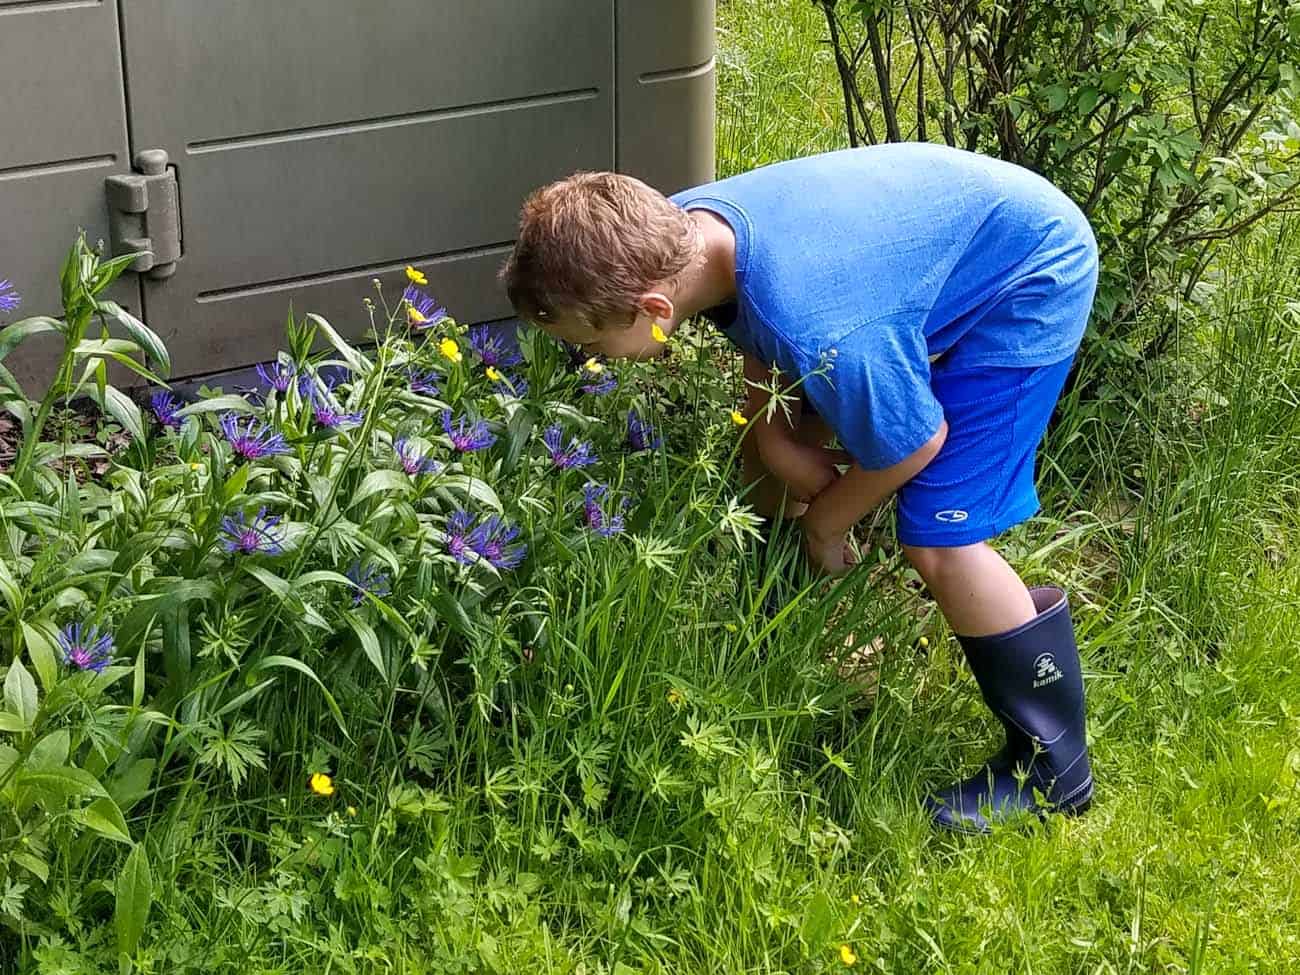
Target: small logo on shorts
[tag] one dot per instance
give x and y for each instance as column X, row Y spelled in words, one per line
column 951, row 516
column 1045, row 670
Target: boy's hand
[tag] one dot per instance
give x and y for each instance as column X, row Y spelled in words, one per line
column 831, row 555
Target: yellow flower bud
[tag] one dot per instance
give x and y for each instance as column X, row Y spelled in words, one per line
column 450, row 349
column 923, row 642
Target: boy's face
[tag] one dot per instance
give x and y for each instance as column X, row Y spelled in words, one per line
column 617, row 339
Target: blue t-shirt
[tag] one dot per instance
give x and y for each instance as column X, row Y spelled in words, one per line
column 867, row 263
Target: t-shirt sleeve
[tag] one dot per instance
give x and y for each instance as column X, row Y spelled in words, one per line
column 876, row 395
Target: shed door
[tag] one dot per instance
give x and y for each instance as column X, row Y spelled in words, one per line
column 319, row 143
column 62, row 131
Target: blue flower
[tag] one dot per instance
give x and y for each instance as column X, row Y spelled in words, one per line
column 491, row 349
column 508, row 385
column 640, row 434
column 491, row 540
column 366, row 579
column 576, row 454
column 467, row 436
column 421, row 310
column 331, row 416
column 460, row 524
column 164, row 407
column 412, row 460
column 9, row 297
column 85, row 647
column 279, row 376
column 424, row 383
column 605, row 384
column 253, row 440
column 594, row 512
column 262, row 534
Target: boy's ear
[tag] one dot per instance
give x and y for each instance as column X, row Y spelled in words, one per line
column 656, row 304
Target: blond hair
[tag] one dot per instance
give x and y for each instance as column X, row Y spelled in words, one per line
column 590, row 245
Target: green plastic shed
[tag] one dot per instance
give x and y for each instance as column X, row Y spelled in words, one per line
column 291, row 150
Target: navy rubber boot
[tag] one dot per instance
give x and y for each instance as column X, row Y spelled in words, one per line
column 1031, row 680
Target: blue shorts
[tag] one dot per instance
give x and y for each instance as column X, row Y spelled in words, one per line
column 982, row 481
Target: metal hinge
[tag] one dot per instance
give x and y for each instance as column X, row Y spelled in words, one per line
column 144, row 215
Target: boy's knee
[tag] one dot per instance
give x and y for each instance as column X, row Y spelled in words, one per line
column 927, row 560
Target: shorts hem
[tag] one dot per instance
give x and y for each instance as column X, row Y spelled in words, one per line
column 967, row 534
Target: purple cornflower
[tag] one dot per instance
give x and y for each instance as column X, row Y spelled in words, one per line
column 576, row 454
column 263, row 534
column 164, row 408
column 366, row 579
column 85, row 647
column 254, row 440
column 460, row 525
column 516, row 386
column 604, row 384
column 640, row 434
column 421, row 310
column 594, row 512
column 491, row 349
column 491, row 540
column 412, row 460
column 467, row 435
column 279, row 376
column 9, row 297
column 424, row 383
column 332, row 416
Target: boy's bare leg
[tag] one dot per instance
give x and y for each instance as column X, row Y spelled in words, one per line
column 767, row 492
column 979, row 593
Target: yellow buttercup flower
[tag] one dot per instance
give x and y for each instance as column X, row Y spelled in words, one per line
column 593, row 366
column 857, row 901
column 196, row 466
column 450, row 349
column 924, row 642
column 322, row 784
column 413, row 315
column 847, row 956
column 657, row 333
column 738, row 419
column 492, row 374
column 415, row 277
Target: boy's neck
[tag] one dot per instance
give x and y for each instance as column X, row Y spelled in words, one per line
column 712, row 280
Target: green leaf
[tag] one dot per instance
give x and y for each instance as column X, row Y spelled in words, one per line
column 818, row 921
column 141, row 615
column 32, row 864
column 1056, row 96
column 453, row 613
column 143, row 336
column 9, row 589
column 41, row 649
column 472, row 487
column 379, row 481
column 358, row 363
column 290, row 664
column 11, row 336
column 134, row 893
column 218, row 404
column 122, row 409
column 51, row 752
column 105, row 818
column 369, row 643
column 20, row 693
column 61, row 783
column 518, row 430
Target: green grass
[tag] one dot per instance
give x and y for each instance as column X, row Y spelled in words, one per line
column 678, row 783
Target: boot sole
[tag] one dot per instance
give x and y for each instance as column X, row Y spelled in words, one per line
column 1074, row 810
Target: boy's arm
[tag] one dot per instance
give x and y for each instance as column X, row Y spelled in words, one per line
column 806, row 469
column 849, row 498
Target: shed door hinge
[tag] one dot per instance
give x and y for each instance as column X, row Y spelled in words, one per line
column 144, row 215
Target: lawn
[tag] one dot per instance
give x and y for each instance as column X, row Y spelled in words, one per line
column 338, row 746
